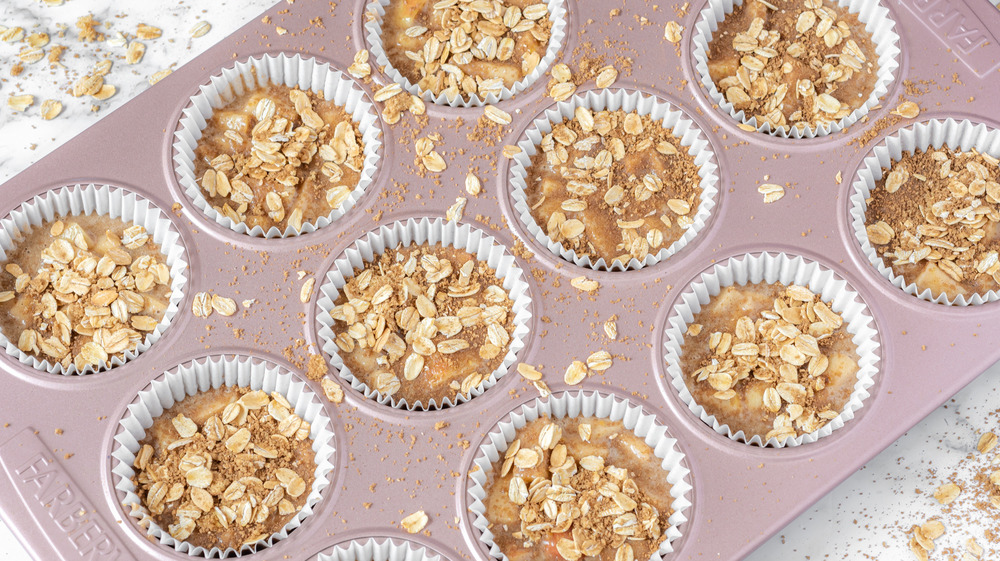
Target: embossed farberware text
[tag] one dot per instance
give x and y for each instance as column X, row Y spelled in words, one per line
column 55, row 500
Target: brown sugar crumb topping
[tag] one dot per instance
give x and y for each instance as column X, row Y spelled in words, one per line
column 424, row 322
column 286, row 159
column 940, row 208
column 783, row 346
column 584, row 505
column 613, row 185
column 89, row 299
column 462, row 47
column 799, row 63
column 234, row 479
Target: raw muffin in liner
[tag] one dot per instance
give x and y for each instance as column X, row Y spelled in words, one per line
column 581, row 404
column 102, row 200
column 877, row 23
column 375, row 12
column 202, row 375
column 786, row 270
column 601, row 100
column 375, row 550
column 933, row 134
column 413, row 232
column 292, row 71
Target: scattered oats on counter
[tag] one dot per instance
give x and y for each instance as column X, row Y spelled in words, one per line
column 606, row 77
column 611, row 329
column 360, row 68
column 497, row 115
column 20, row 102
column 200, row 29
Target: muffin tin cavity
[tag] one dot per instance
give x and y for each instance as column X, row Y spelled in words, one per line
column 199, row 376
column 581, row 404
column 293, row 71
column 375, row 12
column 661, row 112
column 432, row 232
column 786, row 270
column 937, row 134
column 877, row 22
column 98, row 201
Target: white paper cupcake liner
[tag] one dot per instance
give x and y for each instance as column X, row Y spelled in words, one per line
column 106, row 201
column 787, row 270
column 203, row 375
column 877, row 22
column 374, row 550
column 601, row 100
column 292, row 71
column 935, row 134
column 581, row 404
column 430, row 231
column 373, row 29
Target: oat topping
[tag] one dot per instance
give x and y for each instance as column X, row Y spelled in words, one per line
column 794, row 63
column 588, row 486
column 466, row 47
column 279, row 157
column 934, row 218
column 784, row 350
column 613, row 185
column 225, row 468
column 76, row 297
column 423, row 322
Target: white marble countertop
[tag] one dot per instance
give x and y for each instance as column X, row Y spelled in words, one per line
column 866, row 517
